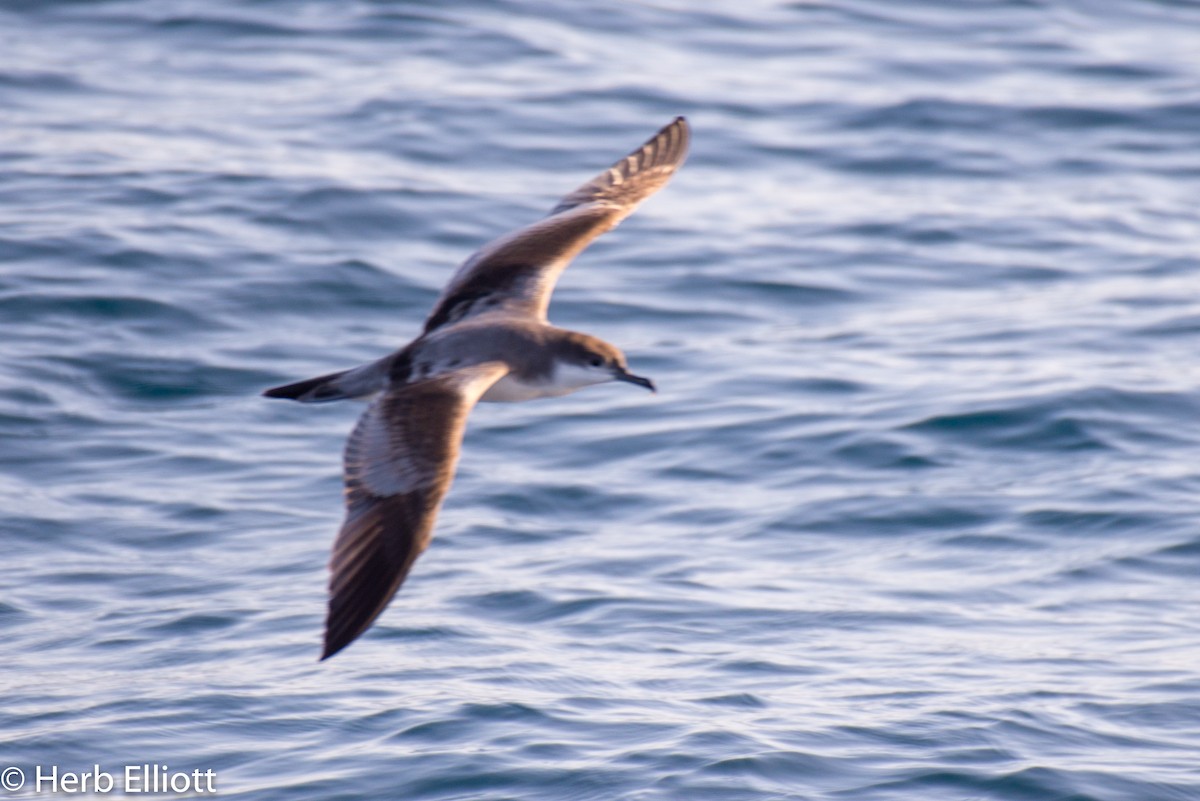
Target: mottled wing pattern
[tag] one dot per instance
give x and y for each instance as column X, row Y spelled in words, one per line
column 517, row 272
column 399, row 462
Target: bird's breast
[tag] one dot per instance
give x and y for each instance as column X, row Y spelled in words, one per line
column 512, row 389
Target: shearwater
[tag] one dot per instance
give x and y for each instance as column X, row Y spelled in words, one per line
column 487, row 339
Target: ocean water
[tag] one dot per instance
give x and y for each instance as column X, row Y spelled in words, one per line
column 914, row 515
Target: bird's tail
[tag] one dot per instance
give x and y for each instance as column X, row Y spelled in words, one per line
column 358, row 382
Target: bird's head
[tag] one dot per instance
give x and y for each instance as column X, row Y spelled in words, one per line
column 582, row 360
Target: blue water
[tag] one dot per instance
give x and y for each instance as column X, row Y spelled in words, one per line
column 914, row 515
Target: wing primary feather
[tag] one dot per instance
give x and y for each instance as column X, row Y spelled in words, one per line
column 635, row 177
column 516, row 273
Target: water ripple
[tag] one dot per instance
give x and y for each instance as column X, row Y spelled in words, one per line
column 913, row 513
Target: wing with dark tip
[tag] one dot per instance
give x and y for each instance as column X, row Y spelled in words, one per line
column 399, row 462
column 517, row 272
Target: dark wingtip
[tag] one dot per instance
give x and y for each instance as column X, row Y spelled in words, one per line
column 335, row 642
column 344, row 625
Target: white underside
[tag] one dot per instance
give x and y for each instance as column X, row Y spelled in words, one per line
column 567, row 379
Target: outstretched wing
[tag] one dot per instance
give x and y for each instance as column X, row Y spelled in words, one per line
column 517, row 272
column 399, row 462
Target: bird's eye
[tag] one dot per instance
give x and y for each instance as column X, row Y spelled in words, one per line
column 596, row 361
